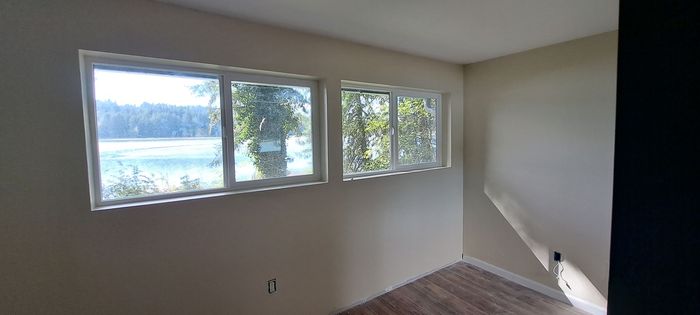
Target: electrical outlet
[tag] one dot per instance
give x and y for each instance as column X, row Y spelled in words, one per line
column 557, row 256
column 271, row 286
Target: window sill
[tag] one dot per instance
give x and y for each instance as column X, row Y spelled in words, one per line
column 392, row 173
column 164, row 200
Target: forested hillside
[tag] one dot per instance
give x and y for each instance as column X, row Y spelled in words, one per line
column 153, row 121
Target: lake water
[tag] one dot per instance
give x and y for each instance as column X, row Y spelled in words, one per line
column 167, row 160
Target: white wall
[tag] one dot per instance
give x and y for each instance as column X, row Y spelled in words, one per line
column 328, row 245
column 539, row 135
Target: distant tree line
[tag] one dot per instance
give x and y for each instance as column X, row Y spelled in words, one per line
column 154, row 121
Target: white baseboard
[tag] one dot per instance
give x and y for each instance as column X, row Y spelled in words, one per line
column 586, row 306
column 528, row 283
column 392, row 287
column 541, row 288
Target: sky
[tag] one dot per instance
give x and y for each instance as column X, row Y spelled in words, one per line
column 135, row 88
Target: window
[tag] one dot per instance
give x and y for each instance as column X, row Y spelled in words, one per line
column 417, row 130
column 161, row 129
column 272, row 124
column 387, row 130
column 366, row 131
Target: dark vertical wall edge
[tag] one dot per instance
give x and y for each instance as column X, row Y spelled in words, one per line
column 656, row 195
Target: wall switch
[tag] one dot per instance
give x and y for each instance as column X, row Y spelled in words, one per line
column 271, row 286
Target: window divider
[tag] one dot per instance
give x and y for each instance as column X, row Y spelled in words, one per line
column 229, row 159
column 439, row 132
column 394, row 127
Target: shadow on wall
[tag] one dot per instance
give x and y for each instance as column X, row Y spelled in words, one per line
column 548, row 126
column 579, row 286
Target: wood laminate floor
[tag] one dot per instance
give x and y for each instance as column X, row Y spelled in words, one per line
column 463, row 289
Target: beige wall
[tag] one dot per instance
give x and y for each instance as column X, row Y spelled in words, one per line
column 539, row 134
column 328, row 245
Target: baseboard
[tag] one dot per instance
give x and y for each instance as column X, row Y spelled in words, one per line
column 534, row 285
column 541, row 288
column 392, row 287
column 586, row 306
column 528, row 283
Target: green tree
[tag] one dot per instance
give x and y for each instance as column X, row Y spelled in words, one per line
column 366, row 139
column 417, row 130
column 132, row 183
column 155, row 121
column 186, row 183
column 264, row 118
column 136, row 183
column 210, row 88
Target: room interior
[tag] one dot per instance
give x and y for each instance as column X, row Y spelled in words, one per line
column 518, row 189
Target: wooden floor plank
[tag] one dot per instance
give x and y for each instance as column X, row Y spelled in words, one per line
column 491, row 290
column 463, row 289
column 512, row 292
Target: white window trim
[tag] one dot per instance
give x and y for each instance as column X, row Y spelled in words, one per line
column 226, row 75
column 394, row 93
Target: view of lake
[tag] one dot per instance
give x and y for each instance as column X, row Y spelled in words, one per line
column 167, row 160
column 159, row 132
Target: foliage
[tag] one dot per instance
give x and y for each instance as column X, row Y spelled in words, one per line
column 210, row 88
column 366, row 139
column 264, row 117
column 154, row 121
column 366, row 131
column 417, row 134
column 132, row 182
column 186, row 183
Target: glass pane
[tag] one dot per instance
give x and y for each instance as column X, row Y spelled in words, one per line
column 366, row 138
column 272, row 131
column 157, row 132
column 417, row 130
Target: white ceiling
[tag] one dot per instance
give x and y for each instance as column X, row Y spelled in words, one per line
column 460, row 31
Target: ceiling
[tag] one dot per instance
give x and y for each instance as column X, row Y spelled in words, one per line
column 459, row 31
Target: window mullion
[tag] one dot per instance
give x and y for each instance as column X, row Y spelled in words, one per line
column 439, row 132
column 228, row 138
column 394, row 125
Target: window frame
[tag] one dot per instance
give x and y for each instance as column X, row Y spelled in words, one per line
column 226, row 75
column 394, row 94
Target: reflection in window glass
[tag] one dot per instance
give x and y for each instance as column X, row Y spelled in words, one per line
column 417, row 137
column 272, row 131
column 157, row 132
column 366, row 137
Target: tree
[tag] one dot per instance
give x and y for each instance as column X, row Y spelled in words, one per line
column 417, row 130
column 210, row 88
column 155, row 121
column 131, row 183
column 366, row 141
column 136, row 183
column 366, row 125
column 264, row 117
